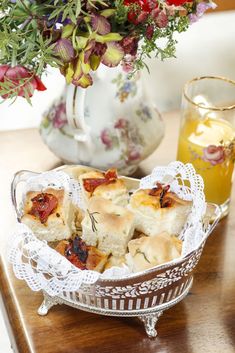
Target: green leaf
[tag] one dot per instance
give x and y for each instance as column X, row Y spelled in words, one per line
column 108, row 12
column 94, row 62
column 67, row 30
column 81, row 42
column 113, row 55
column 78, row 8
column 110, row 37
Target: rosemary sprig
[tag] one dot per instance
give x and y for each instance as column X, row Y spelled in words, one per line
column 138, row 251
column 93, row 220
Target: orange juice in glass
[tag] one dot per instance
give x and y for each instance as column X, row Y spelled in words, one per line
column 207, row 135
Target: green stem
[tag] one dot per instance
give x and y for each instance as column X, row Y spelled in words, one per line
column 26, row 22
column 26, row 7
column 13, row 60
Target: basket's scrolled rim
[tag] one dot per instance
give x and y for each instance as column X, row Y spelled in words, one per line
column 23, row 175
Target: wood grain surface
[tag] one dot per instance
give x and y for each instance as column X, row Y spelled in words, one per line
column 203, row 322
column 224, row 5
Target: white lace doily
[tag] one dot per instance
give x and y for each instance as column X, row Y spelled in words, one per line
column 188, row 185
column 44, row 268
column 55, row 179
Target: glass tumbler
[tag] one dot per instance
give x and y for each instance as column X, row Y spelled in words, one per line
column 207, row 135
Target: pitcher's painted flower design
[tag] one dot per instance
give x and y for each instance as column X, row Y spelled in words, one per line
column 59, row 118
column 106, row 138
column 125, row 87
column 133, row 154
column 127, row 136
column 144, row 112
column 121, row 123
column 56, row 117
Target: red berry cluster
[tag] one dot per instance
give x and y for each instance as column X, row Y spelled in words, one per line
column 140, row 10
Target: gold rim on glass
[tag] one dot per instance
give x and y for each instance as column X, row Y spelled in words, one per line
column 187, row 84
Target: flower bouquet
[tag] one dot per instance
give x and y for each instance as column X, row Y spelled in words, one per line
column 76, row 36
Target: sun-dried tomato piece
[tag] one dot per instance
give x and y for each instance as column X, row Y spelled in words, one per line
column 90, row 184
column 79, row 247
column 166, row 201
column 162, row 192
column 44, row 204
column 111, row 174
column 76, row 252
column 76, row 262
column 156, row 191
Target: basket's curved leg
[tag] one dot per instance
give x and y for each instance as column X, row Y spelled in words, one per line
column 48, row 303
column 150, row 322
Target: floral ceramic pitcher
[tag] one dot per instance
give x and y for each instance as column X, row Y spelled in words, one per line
column 110, row 124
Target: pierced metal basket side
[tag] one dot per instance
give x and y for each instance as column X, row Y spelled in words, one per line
column 140, row 292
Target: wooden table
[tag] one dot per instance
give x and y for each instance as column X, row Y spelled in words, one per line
column 203, row 322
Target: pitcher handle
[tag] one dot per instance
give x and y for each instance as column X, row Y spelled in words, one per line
column 75, row 111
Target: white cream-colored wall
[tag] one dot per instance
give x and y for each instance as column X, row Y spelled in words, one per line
column 207, row 48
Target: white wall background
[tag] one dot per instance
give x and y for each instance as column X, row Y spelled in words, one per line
column 207, row 48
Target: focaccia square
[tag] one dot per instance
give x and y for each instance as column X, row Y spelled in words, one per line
column 107, row 226
column 106, row 185
column 82, row 256
column 96, row 259
column 49, row 214
column 157, row 211
column 147, row 252
column 115, row 261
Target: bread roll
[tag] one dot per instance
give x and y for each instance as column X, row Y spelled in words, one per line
column 58, row 223
column 153, row 217
column 147, row 252
column 93, row 259
column 96, row 259
column 107, row 226
column 113, row 189
column 115, row 261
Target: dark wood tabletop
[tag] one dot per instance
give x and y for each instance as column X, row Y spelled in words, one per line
column 203, row 322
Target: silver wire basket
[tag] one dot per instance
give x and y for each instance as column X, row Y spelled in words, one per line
column 145, row 295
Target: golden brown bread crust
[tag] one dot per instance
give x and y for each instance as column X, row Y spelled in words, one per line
column 96, row 259
column 153, row 216
column 59, row 224
column 107, row 214
column 115, row 261
column 59, row 194
column 142, row 197
column 147, row 252
column 61, row 247
column 114, row 190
